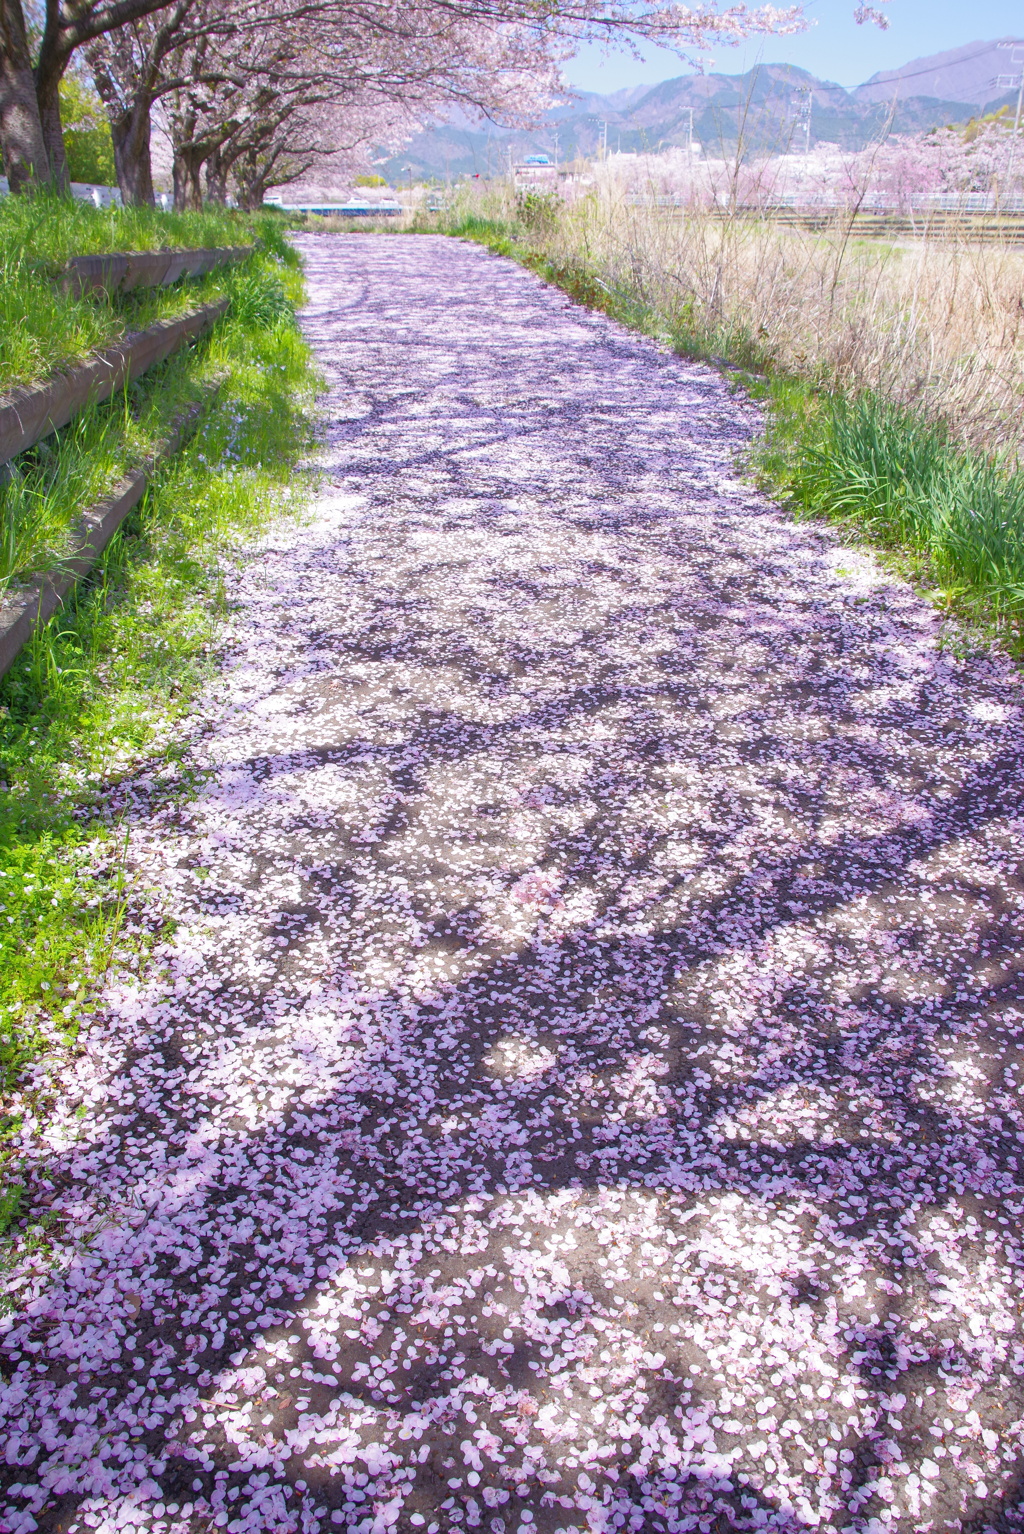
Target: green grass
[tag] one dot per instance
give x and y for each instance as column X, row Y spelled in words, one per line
column 111, row 680
column 42, row 329
column 901, row 481
column 50, row 485
column 952, row 518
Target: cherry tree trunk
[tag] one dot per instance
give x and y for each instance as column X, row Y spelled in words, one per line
column 22, row 146
column 217, row 169
column 48, row 97
column 132, row 157
column 188, row 182
column 253, row 174
column 251, row 191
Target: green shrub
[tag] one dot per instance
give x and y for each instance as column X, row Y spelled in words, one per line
column 538, row 210
column 90, row 148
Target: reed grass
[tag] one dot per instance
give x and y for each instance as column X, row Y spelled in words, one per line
column 933, row 324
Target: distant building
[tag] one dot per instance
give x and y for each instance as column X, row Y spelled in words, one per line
column 535, row 170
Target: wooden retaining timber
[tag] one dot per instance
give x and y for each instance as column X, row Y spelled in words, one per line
column 29, row 414
column 26, row 608
column 145, row 268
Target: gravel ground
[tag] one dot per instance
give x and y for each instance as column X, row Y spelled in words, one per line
column 579, row 1092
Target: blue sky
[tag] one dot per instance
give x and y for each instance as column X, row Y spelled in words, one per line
column 835, row 48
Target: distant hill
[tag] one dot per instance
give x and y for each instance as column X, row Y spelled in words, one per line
column 967, row 74
column 762, row 107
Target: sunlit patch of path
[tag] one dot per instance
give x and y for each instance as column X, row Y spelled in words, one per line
column 580, row 1090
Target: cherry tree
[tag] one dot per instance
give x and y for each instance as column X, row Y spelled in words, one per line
column 129, row 70
column 479, row 53
column 279, row 144
column 37, row 45
column 954, row 161
column 279, row 99
column 199, row 47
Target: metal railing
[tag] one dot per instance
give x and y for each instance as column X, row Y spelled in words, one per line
column 871, row 202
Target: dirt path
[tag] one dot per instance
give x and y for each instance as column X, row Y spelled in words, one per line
column 579, row 1092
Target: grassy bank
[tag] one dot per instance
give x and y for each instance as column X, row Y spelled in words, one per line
column 46, row 488
column 110, row 681
column 923, row 460
column 41, row 328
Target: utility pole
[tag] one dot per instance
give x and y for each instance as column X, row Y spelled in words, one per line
column 604, row 141
column 802, row 115
column 1016, row 52
column 689, row 132
column 556, row 151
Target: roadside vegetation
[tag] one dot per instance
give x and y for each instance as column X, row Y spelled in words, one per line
column 892, row 371
column 107, row 683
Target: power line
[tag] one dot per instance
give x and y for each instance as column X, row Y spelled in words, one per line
column 897, row 76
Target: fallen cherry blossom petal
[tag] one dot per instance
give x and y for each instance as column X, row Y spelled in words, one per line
column 579, row 1090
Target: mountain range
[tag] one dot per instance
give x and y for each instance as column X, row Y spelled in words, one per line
column 766, row 106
